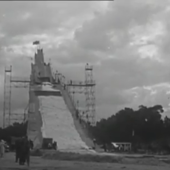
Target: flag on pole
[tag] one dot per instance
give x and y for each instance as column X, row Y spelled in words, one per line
column 36, row 42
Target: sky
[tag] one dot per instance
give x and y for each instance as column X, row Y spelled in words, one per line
column 126, row 41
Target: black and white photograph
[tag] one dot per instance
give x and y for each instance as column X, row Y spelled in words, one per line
column 85, row 85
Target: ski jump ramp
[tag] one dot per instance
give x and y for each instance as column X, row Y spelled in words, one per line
column 56, row 121
column 51, row 112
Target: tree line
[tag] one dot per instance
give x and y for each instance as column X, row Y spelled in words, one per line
column 144, row 128
column 15, row 130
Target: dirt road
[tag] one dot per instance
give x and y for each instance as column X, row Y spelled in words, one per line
column 37, row 163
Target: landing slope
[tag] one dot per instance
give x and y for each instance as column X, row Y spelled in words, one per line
column 58, row 122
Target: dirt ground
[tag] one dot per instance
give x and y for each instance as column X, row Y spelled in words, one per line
column 38, row 163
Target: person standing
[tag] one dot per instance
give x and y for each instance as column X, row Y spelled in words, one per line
column 31, row 144
column 26, row 151
column 49, row 145
column 21, row 150
column 55, row 145
column 105, row 147
column 94, row 143
column 77, row 113
column 17, row 149
column 2, row 148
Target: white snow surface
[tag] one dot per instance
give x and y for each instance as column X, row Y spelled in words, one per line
column 59, row 124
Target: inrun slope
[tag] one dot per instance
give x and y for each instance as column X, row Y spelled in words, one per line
column 58, row 122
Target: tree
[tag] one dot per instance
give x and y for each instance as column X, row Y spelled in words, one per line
column 17, row 130
column 145, row 125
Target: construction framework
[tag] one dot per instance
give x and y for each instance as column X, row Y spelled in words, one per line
column 88, row 88
column 7, row 96
column 90, row 93
column 9, row 83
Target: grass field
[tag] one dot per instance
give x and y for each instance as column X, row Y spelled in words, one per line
column 70, row 161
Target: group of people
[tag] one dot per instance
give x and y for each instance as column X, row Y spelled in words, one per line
column 22, row 150
column 83, row 119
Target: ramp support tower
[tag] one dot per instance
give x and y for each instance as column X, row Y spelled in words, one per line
column 88, row 87
column 7, row 96
column 9, row 82
column 90, row 93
